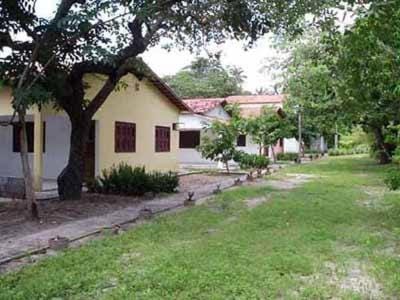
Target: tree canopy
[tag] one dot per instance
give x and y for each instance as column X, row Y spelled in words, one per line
column 337, row 78
column 205, row 78
column 52, row 56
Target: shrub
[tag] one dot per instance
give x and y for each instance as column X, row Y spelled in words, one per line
column 361, row 149
column 251, row 161
column 287, row 156
column 392, row 179
column 133, row 181
column 163, row 182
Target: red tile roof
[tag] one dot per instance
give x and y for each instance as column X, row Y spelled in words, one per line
column 256, row 99
column 201, row 106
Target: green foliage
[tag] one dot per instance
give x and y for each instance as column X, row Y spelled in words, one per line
column 206, row 78
column 220, row 146
column 268, row 128
column 357, row 138
column 220, row 143
column 392, row 179
column 287, row 156
column 134, row 181
column 361, row 149
column 310, row 80
column 251, row 161
column 370, row 90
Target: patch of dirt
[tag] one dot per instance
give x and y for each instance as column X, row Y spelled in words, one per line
column 350, row 278
column 252, row 203
column 291, row 182
column 359, row 281
column 53, row 213
column 192, row 182
column 374, row 199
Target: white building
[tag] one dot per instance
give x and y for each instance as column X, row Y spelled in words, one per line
column 205, row 111
column 192, row 127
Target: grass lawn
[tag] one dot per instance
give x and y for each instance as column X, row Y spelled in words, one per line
column 336, row 236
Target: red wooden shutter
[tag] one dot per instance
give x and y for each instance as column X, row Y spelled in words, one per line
column 125, row 137
column 163, row 139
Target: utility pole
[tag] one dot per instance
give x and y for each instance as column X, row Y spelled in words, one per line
column 300, row 136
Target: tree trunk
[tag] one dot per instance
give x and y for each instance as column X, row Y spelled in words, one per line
column 227, row 167
column 336, row 138
column 383, row 154
column 70, row 180
column 273, row 154
column 32, row 206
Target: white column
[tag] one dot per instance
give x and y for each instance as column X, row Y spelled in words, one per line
column 38, row 150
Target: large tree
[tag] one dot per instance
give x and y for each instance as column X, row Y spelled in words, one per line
column 104, row 37
column 205, row 78
column 369, row 63
column 311, row 81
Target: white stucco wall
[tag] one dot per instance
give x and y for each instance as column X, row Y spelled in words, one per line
column 219, row 113
column 251, row 147
column 193, row 122
column 57, row 148
column 290, row 146
column 198, row 122
column 58, row 131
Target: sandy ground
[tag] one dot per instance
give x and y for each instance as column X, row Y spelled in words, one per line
column 72, row 219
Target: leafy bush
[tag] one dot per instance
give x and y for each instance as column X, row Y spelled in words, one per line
column 361, row 149
column 291, row 156
column 392, row 179
column 251, row 161
column 163, row 182
column 133, row 181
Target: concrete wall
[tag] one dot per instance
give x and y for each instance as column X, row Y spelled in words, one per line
column 290, row 146
column 57, row 147
column 198, row 122
column 251, row 147
column 193, row 122
column 219, row 113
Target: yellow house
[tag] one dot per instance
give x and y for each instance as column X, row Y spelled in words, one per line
column 137, row 125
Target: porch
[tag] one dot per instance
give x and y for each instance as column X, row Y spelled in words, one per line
column 48, row 147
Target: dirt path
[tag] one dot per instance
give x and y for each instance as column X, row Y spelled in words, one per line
column 25, row 241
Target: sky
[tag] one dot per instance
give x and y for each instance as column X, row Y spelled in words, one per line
column 165, row 62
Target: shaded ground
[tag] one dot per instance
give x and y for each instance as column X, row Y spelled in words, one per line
column 336, row 236
column 53, row 213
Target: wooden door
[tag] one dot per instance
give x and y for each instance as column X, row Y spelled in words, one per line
column 90, row 154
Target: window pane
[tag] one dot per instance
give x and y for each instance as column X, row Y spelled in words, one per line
column 241, row 140
column 189, row 139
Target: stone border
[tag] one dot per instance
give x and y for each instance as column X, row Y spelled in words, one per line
column 174, row 205
column 200, row 196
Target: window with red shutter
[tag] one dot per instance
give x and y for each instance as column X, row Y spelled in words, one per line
column 125, row 137
column 163, row 139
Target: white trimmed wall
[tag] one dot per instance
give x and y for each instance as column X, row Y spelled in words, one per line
column 57, row 148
